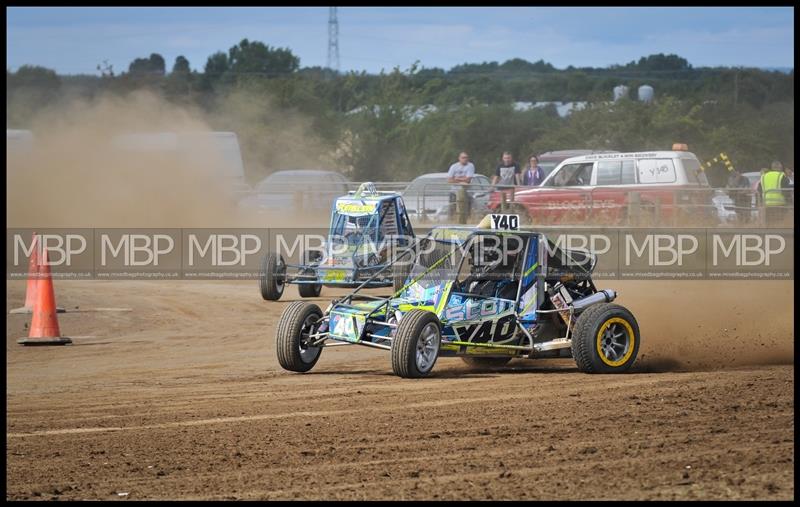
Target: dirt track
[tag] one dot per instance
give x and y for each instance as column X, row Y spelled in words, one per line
column 183, row 398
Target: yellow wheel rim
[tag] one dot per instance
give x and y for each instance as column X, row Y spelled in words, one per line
column 615, row 341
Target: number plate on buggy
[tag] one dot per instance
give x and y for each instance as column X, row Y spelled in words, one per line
column 346, row 326
column 335, row 275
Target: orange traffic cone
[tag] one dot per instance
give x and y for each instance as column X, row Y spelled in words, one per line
column 34, row 267
column 44, row 325
column 33, row 273
column 33, row 270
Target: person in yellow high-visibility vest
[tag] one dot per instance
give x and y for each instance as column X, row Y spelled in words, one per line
column 774, row 189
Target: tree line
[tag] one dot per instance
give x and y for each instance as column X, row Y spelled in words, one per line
column 400, row 123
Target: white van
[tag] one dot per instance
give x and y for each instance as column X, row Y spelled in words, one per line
column 194, row 147
column 579, row 186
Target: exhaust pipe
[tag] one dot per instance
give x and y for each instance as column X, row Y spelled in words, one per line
column 603, row 296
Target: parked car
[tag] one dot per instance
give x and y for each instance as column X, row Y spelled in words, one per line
column 607, row 186
column 296, row 189
column 726, row 208
column 754, row 177
column 430, row 197
column 550, row 160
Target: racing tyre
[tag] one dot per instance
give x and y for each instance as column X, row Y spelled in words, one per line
column 605, row 339
column 310, row 290
column 272, row 277
column 291, row 341
column 481, row 363
column 415, row 346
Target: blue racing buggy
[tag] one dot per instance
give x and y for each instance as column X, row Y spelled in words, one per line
column 487, row 294
column 366, row 227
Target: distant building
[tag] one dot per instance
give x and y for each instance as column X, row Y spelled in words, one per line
column 646, row 93
column 620, row 92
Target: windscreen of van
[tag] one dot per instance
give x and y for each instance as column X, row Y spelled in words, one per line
column 694, row 172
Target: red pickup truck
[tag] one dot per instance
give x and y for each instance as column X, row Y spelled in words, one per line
column 643, row 188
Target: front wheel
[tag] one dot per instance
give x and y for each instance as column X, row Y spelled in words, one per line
column 415, row 346
column 605, row 339
column 292, row 340
column 272, row 277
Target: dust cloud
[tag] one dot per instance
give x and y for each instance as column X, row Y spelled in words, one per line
column 271, row 138
column 698, row 325
column 80, row 174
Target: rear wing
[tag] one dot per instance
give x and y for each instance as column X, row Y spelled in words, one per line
column 368, row 189
column 377, row 192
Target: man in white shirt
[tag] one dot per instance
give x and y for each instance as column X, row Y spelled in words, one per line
column 462, row 171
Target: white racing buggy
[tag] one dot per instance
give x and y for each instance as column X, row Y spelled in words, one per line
column 487, row 294
column 367, row 227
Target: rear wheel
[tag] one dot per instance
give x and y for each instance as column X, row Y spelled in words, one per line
column 605, row 339
column 272, row 277
column 310, row 290
column 292, row 340
column 415, row 346
column 480, row 363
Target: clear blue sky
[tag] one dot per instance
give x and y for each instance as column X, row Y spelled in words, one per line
column 75, row 40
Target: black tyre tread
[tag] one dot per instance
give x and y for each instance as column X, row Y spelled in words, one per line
column 485, row 362
column 583, row 337
column 266, row 280
column 405, row 342
column 287, row 333
column 308, row 290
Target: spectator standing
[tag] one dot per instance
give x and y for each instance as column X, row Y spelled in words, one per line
column 507, row 175
column 788, row 172
column 534, row 174
column 462, row 171
column 740, row 194
column 773, row 190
